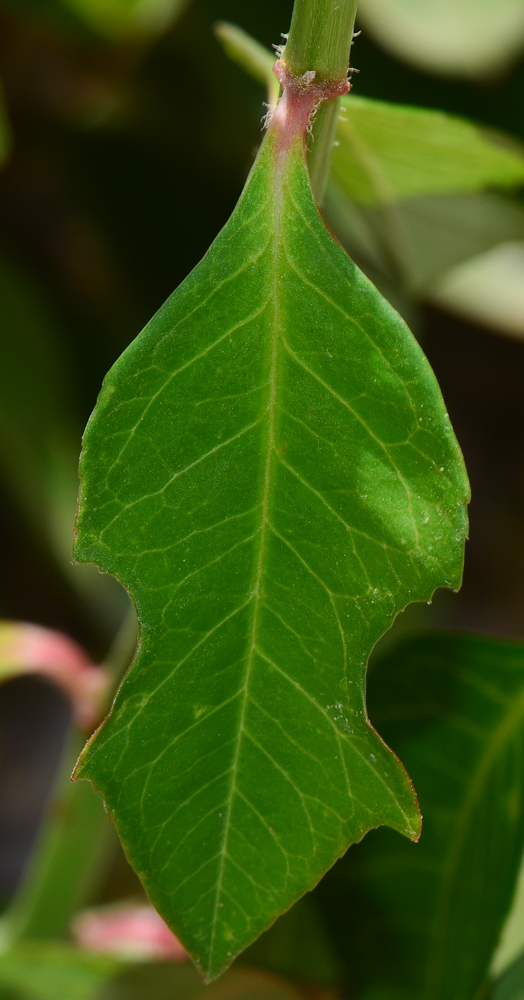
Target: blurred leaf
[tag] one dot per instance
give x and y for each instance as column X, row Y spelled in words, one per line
column 452, row 37
column 511, row 942
column 254, row 58
column 386, row 151
column 39, row 432
column 488, row 290
column 510, row 985
column 34, row 397
column 298, row 946
column 422, row 921
column 271, row 472
column 415, row 240
column 127, row 18
column 52, row 971
column 37, row 423
column 443, row 231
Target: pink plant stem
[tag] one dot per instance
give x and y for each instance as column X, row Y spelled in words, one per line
column 32, row 649
column 300, row 100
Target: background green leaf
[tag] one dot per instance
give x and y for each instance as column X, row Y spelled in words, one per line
column 53, row 971
column 49, row 970
column 271, row 473
column 510, row 985
column 389, row 151
column 39, row 431
column 416, row 240
column 298, row 946
column 423, row 920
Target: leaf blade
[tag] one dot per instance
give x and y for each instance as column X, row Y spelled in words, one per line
column 256, row 629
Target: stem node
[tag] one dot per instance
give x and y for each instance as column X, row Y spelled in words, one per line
column 320, row 39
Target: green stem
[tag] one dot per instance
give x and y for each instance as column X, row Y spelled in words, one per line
column 76, row 842
column 70, row 859
column 320, row 147
column 320, row 39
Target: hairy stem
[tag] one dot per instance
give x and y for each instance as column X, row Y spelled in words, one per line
column 320, row 39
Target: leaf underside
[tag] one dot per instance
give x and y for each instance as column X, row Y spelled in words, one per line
column 426, row 918
column 271, row 473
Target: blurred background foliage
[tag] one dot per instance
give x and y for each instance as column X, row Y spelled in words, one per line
column 126, row 135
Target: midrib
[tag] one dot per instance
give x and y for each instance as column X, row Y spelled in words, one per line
column 273, row 356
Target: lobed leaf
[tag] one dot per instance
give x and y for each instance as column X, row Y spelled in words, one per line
column 271, row 473
column 422, row 922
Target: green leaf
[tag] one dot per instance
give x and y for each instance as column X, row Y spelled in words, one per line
column 422, row 922
column 418, row 239
column 389, row 151
column 39, row 435
column 510, row 985
column 512, row 938
column 53, row 971
column 49, row 971
column 298, row 946
column 271, row 473
column 452, row 37
column 68, row 863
